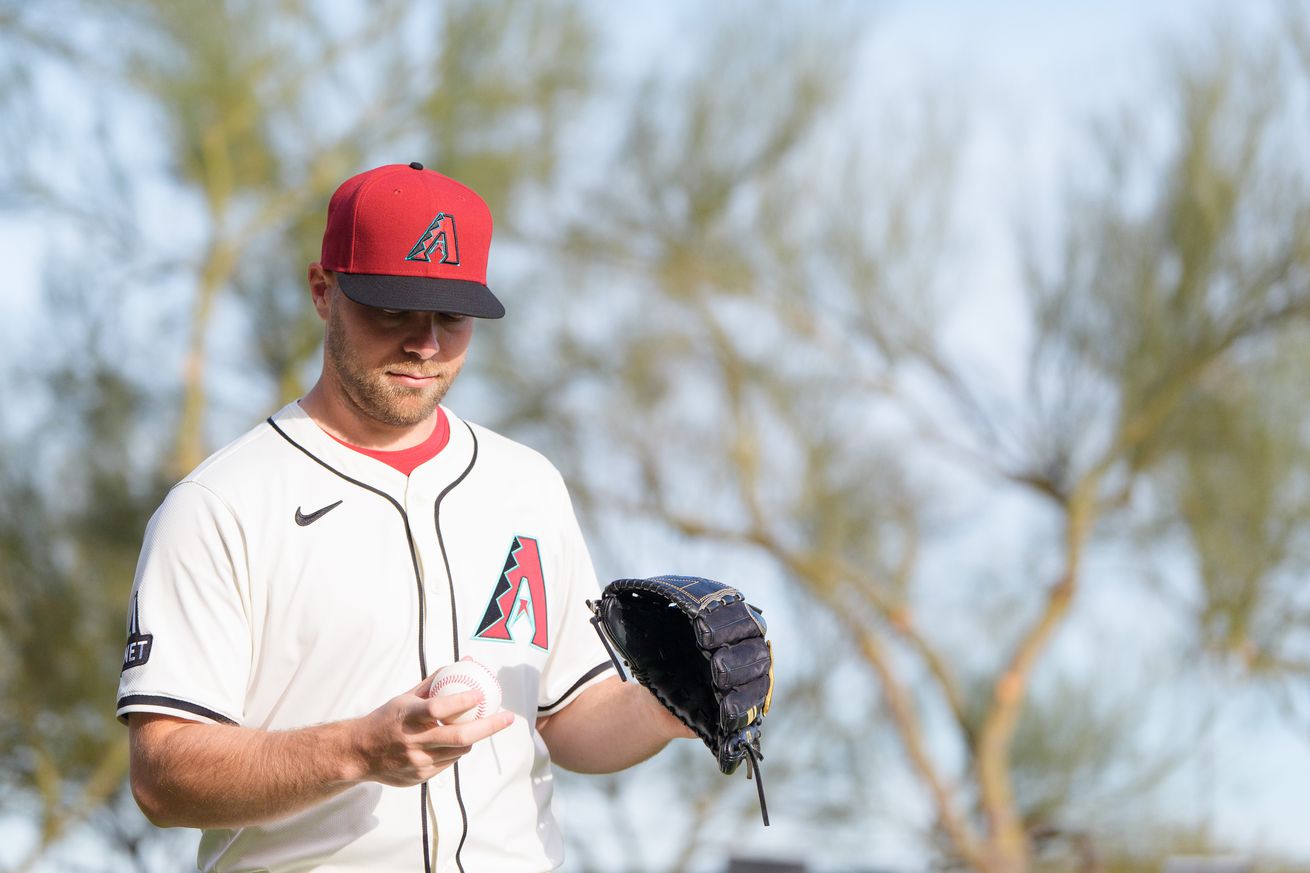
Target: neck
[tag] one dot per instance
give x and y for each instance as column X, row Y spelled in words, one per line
column 332, row 410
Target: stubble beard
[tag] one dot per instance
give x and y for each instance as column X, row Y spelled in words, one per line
column 372, row 393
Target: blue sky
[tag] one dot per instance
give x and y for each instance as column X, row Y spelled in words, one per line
column 1030, row 77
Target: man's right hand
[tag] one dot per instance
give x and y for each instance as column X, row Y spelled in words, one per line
column 190, row 774
column 406, row 740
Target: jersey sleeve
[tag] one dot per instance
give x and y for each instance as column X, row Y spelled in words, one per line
column 189, row 644
column 578, row 660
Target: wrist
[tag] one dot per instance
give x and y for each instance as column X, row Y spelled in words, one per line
column 668, row 725
column 351, row 751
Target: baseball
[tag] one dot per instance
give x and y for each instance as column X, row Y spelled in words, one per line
column 468, row 675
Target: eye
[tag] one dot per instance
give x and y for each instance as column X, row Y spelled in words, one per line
column 390, row 317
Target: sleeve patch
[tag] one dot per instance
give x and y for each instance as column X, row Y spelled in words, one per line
column 138, row 644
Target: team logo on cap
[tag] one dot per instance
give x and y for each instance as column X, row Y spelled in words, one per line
column 439, row 235
column 519, row 598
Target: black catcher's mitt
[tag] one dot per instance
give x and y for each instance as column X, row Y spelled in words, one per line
column 700, row 649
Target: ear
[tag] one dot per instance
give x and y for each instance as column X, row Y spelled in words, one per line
column 322, row 285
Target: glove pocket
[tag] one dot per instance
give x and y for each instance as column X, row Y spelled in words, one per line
column 740, row 664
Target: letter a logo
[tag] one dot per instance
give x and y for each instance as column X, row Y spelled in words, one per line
column 520, row 593
column 439, row 235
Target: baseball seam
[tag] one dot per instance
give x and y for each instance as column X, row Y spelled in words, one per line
column 469, row 683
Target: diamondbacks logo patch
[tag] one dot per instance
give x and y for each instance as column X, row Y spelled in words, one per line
column 439, row 237
column 518, row 598
column 138, row 644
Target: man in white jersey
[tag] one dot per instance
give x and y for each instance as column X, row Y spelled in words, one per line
column 297, row 590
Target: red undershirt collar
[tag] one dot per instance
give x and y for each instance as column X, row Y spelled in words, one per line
column 407, row 460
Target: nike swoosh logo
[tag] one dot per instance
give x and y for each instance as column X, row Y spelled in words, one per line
column 305, row 520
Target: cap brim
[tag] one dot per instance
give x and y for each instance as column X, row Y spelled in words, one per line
column 421, row 294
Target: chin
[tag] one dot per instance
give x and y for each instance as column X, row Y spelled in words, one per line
column 410, row 414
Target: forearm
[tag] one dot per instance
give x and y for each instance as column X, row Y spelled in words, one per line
column 611, row 726
column 186, row 774
column 221, row 776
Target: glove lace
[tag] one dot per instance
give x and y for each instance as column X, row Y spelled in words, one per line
column 604, row 641
column 753, row 759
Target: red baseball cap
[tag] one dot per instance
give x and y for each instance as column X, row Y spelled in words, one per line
column 402, row 237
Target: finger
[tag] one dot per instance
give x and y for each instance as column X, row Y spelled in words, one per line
column 465, row 734
column 427, row 711
column 452, row 706
column 741, row 706
column 441, row 754
column 739, row 664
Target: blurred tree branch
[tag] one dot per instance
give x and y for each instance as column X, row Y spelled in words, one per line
column 789, row 332
column 224, row 126
column 750, row 309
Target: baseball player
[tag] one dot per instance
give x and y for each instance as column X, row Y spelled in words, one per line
column 296, row 592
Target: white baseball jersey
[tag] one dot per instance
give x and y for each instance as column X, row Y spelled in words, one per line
column 291, row 581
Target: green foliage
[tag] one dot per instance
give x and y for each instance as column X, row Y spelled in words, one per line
column 255, row 112
column 211, row 71
column 745, row 304
column 782, row 386
column 509, row 77
column 67, row 555
column 1179, row 317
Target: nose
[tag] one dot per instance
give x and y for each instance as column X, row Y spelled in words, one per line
column 422, row 338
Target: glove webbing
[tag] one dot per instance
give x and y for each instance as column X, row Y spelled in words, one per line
column 753, row 754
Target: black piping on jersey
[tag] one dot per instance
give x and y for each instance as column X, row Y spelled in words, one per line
column 422, row 612
column 409, row 538
column 454, row 643
column 422, row 601
column 586, row 677
column 172, row 703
